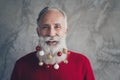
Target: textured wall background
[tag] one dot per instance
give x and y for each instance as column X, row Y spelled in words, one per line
column 94, row 30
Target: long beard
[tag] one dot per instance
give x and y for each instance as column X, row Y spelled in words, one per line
column 53, row 50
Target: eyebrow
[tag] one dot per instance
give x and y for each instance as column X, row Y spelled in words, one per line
column 54, row 24
column 57, row 24
column 45, row 25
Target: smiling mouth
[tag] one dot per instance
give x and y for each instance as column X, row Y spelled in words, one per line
column 52, row 43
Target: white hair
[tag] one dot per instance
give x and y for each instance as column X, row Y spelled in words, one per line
column 44, row 10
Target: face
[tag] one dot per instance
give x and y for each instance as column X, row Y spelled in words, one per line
column 52, row 25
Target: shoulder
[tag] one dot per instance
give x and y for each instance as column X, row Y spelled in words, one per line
column 30, row 57
column 83, row 64
column 79, row 57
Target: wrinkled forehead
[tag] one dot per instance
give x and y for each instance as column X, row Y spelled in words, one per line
column 52, row 13
column 55, row 11
column 52, row 16
column 46, row 9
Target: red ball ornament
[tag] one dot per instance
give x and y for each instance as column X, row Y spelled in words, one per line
column 59, row 53
column 47, row 66
column 38, row 48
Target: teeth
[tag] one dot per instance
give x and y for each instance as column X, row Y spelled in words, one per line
column 52, row 42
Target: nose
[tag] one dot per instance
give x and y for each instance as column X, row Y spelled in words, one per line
column 52, row 32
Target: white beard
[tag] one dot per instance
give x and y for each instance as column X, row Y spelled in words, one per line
column 53, row 50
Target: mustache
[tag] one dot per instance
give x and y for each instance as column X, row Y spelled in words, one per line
column 51, row 38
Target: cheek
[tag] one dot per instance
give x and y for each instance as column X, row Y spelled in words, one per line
column 43, row 33
column 61, row 33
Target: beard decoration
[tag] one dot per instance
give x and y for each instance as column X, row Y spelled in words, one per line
column 53, row 50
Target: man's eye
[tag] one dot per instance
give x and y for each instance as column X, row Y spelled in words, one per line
column 45, row 27
column 57, row 26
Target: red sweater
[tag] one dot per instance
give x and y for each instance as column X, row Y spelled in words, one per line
column 77, row 68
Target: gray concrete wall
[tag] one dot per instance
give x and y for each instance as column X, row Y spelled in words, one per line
column 94, row 30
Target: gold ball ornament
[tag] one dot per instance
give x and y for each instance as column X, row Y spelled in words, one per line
column 65, row 51
column 50, row 56
column 40, row 63
column 65, row 61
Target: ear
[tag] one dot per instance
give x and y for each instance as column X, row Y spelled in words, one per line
column 38, row 32
column 66, row 30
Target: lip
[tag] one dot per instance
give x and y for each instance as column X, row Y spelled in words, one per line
column 52, row 43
